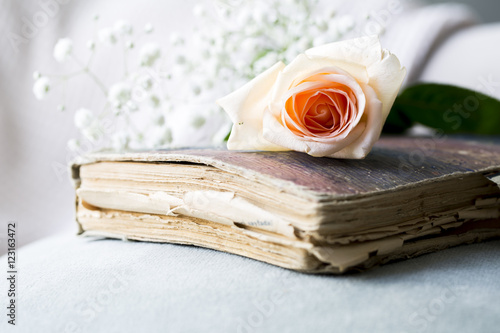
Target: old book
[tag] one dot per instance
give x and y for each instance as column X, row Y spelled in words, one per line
column 408, row 197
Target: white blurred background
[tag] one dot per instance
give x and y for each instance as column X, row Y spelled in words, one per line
column 488, row 10
column 36, row 191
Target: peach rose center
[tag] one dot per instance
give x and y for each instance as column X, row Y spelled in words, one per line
column 320, row 109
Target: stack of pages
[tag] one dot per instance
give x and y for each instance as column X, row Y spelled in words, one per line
column 408, row 197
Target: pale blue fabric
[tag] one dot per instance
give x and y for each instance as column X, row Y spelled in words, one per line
column 72, row 284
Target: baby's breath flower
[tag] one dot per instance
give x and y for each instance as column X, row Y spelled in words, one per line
column 345, row 24
column 83, row 118
column 146, row 82
column 158, row 119
column 228, row 47
column 320, row 40
column 154, row 101
column 92, row 133
column 198, row 122
column 149, row 54
column 91, row 44
column 148, row 28
column 120, row 140
column 199, row 11
column 63, row 49
column 41, row 87
column 176, row 39
column 119, row 94
column 73, row 145
column 123, row 27
column 196, row 89
column 107, row 36
column 132, row 106
column 166, row 138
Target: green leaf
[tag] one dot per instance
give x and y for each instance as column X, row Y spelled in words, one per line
column 448, row 109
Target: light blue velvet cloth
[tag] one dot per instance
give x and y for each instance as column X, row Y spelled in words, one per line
column 72, row 284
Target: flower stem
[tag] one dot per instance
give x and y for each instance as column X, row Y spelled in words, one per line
column 94, row 77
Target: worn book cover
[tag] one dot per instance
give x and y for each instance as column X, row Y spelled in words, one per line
column 321, row 215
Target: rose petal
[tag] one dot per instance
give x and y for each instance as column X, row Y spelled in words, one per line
column 363, row 51
column 275, row 132
column 342, row 79
column 246, row 106
column 384, row 69
column 303, row 67
column 374, row 122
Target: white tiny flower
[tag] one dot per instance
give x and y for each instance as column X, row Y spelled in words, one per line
column 155, row 101
column 165, row 75
column 148, row 28
column 167, row 137
column 180, row 59
column 271, row 18
column 252, row 29
column 260, row 16
column 61, row 107
column 92, row 133
column 196, row 89
column 83, row 118
column 292, row 52
column 119, row 94
column 320, row 40
column 208, row 84
column 36, row 75
column 199, row 11
column 265, row 62
column 321, row 24
column 159, row 120
column 333, row 32
column 149, row 54
column 345, row 24
column 374, row 28
column 176, row 39
column 41, row 87
column 107, row 36
column 198, row 122
column 129, row 44
column 132, row 106
column 91, row 44
column 303, row 44
column 73, row 145
column 245, row 18
column 120, row 141
column 63, row 49
column 146, row 82
column 167, row 106
column 138, row 93
column 116, row 109
column 139, row 137
column 123, row 27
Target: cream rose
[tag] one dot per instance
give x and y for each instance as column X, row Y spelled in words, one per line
column 331, row 101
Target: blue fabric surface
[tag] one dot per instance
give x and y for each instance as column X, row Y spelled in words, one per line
column 72, row 284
